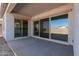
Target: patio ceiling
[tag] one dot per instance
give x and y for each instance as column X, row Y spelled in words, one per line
column 2, row 8
column 32, row 9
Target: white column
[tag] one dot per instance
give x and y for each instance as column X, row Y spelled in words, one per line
column 70, row 27
column 30, row 27
column 8, row 27
column 76, row 30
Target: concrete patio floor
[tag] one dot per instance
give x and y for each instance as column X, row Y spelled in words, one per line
column 36, row 47
column 4, row 48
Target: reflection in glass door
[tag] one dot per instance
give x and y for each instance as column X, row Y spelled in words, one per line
column 59, row 27
column 25, row 28
column 36, row 28
column 44, row 28
column 21, row 28
column 17, row 28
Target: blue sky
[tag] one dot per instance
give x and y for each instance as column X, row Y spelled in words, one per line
column 60, row 22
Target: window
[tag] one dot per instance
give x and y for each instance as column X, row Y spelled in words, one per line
column 59, row 27
column 44, row 28
column 36, row 28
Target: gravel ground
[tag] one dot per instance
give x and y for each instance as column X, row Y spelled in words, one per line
column 4, row 48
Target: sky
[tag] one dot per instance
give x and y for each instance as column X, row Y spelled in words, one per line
column 60, row 22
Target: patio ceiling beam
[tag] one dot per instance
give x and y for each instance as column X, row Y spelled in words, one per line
column 2, row 9
column 9, row 7
column 20, row 16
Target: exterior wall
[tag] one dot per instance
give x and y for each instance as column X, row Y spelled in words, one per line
column 76, row 29
column 71, row 22
column 8, row 27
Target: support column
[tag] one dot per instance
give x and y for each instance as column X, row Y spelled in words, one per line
column 30, row 27
column 76, row 30
column 70, row 27
column 8, row 27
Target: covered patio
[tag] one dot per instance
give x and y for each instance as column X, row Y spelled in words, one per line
column 42, row 29
column 37, row 47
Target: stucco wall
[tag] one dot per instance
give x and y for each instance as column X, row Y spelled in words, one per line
column 76, row 29
column 8, row 27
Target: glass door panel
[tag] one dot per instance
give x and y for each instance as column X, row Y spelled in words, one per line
column 36, row 28
column 59, row 27
column 25, row 28
column 44, row 28
column 17, row 28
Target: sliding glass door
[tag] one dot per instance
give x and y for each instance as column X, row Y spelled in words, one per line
column 36, row 28
column 59, row 27
column 25, row 28
column 21, row 28
column 18, row 28
column 44, row 28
